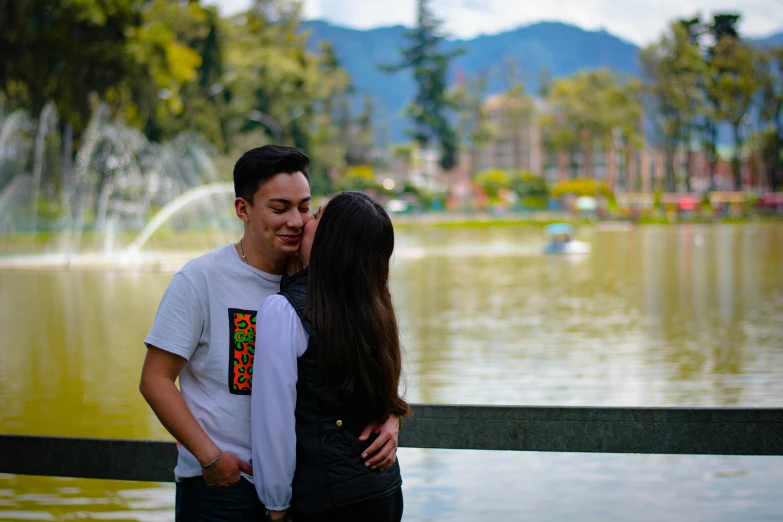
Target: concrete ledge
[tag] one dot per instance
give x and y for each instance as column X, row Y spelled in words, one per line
column 696, row 431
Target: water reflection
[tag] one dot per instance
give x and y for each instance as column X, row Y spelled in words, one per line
column 655, row 316
column 689, row 315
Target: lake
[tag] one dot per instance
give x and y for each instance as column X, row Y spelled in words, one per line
column 680, row 315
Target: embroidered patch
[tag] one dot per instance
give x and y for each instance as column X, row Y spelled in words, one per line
column 242, row 329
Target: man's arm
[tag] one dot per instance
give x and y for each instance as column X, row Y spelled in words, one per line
column 158, row 376
column 382, row 453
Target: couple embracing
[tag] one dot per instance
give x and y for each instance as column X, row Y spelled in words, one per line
column 298, row 312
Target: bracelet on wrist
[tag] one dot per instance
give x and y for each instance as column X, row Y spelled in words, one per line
column 209, row 465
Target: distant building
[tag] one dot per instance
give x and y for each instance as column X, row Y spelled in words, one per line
column 425, row 171
column 415, row 166
column 517, row 145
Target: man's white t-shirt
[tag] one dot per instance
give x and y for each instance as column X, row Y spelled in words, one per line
column 208, row 316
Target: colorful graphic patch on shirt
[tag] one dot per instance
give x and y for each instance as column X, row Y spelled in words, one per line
column 242, row 328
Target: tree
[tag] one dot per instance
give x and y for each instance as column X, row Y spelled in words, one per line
column 166, row 94
column 272, row 76
column 544, row 82
column 733, row 88
column 430, row 108
column 675, row 71
column 363, row 138
column 64, row 51
column 560, row 131
column 771, row 114
column 473, row 117
column 330, row 138
column 626, row 134
column 720, row 83
column 517, row 111
column 587, row 112
column 155, row 63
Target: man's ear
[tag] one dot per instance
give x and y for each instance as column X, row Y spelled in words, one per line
column 242, row 206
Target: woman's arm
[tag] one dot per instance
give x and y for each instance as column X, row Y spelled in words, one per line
column 280, row 340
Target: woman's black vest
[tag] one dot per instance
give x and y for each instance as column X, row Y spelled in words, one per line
column 330, row 470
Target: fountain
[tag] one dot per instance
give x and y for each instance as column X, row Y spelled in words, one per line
column 105, row 211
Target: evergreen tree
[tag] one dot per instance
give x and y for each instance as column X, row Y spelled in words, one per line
column 675, row 72
column 431, row 108
column 734, row 85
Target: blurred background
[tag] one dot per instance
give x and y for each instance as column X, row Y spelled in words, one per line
column 586, row 199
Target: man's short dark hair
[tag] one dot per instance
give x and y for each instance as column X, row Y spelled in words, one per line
column 262, row 163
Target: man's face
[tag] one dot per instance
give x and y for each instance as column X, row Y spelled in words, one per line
column 276, row 219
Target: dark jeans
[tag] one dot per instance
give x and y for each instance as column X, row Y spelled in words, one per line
column 386, row 509
column 197, row 502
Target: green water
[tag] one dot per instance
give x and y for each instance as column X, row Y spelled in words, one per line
column 674, row 315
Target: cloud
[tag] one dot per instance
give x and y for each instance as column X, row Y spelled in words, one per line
column 362, row 14
column 639, row 21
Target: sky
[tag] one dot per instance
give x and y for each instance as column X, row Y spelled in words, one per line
column 637, row 21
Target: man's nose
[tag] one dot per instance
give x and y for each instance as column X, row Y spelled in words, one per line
column 295, row 220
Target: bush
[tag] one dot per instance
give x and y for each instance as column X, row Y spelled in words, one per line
column 493, row 181
column 423, row 196
column 581, row 187
column 358, row 177
column 528, row 185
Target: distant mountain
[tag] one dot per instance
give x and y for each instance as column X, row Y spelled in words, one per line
column 774, row 39
column 558, row 48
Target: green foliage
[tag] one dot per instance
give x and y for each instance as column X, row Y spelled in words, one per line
column 475, row 128
column 515, row 112
column 164, row 95
column 675, row 72
column 358, row 177
column 528, row 185
column 733, row 86
column 589, row 111
column 580, row 187
column 431, row 106
column 493, row 181
column 424, row 197
column 171, row 66
column 403, row 153
column 770, row 140
column 65, row 51
column 469, row 99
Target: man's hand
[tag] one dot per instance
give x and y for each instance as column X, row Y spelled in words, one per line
column 225, row 471
column 383, row 450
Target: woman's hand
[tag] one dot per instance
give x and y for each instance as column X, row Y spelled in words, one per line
column 383, row 450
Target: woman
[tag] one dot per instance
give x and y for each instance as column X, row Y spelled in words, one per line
column 328, row 345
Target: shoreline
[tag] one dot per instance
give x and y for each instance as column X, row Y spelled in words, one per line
column 542, row 219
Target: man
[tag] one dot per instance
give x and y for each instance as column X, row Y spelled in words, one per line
column 204, row 334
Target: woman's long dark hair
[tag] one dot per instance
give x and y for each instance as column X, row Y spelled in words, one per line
column 352, row 312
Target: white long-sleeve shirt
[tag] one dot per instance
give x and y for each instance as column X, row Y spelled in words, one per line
column 280, row 341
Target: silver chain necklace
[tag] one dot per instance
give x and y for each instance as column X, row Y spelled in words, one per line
column 242, row 253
